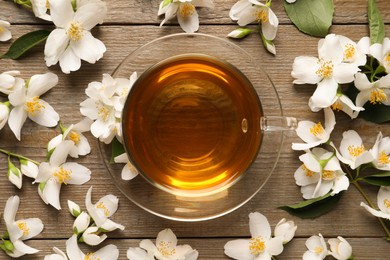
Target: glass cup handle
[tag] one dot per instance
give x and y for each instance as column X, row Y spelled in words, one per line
column 278, row 123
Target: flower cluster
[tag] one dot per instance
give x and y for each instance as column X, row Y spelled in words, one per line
column 327, row 170
column 185, row 10
column 317, row 248
column 104, row 107
column 90, row 227
column 248, row 11
column 71, row 41
column 24, row 100
column 18, row 231
column 261, row 245
column 165, row 248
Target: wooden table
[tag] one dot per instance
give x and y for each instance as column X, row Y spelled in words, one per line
column 132, row 23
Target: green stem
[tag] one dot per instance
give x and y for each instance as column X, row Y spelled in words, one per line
column 366, row 198
column 18, row 156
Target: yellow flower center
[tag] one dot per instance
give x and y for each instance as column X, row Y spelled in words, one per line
column 103, row 112
column 101, row 205
column 256, row 245
column 387, row 203
column 91, row 256
column 317, row 129
column 62, row 175
column 328, row 175
column 387, row 58
column 383, row 158
column 75, row 137
column 262, row 15
column 356, row 151
column 377, row 96
column 75, row 31
column 47, row 4
column 318, row 250
column 308, row 172
column 165, row 248
column 1, row 29
column 349, row 51
column 337, row 106
column 326, row 69
column 186, row 9
column 23, row 227
column 33, row 106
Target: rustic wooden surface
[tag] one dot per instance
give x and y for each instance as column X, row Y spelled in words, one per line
column 132, row 23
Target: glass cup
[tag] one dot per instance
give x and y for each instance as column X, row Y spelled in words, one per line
column 190, row 200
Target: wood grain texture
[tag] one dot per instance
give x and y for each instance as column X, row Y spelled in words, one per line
column 142, row 12
column 122, row 34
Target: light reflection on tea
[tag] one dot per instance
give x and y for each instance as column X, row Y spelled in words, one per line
column 191, row 124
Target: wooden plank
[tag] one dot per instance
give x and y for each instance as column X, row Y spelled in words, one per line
column 213, row 248
column 145, row 12
column 280, row 189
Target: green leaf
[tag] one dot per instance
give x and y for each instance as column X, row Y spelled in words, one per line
column 116, row 149
column 313, row 208
column 313, row 17
column 377, row 27
column 24, row 43
column 380, row 179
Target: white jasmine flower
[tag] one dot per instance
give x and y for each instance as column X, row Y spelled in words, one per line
column 14, row 174
column 291, row 1
column 4, row 114
column 248, row 11
column 81, row 223
column 40, row 9
column 260, row 246
column 72, row 40
column 74, row 208
column 186, row 13
column 128, row 171
column 9, row 82
column 285, row 230
column 383, row 202
column 327, row 71
column 5, row 33
column 381, row 153
column 59, row 255
column 57, row 171
column 136, row 253
column 381, row 52
column 317, row 179
column 74, row 133
column 91, row 236
column 20, row 230
column 166, row 247
column 340, row 102
column 317, row 248
column 27, row 103
column 352, row 150
column 102, row 210
column 28, row 168
column 109, row 252
column 101, row 108
column 340, row 248
column 354, row 52
column 314, row 134
column 122, row 90
column 377, row 92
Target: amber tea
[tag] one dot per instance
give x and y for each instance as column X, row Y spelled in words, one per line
column 192, row 124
